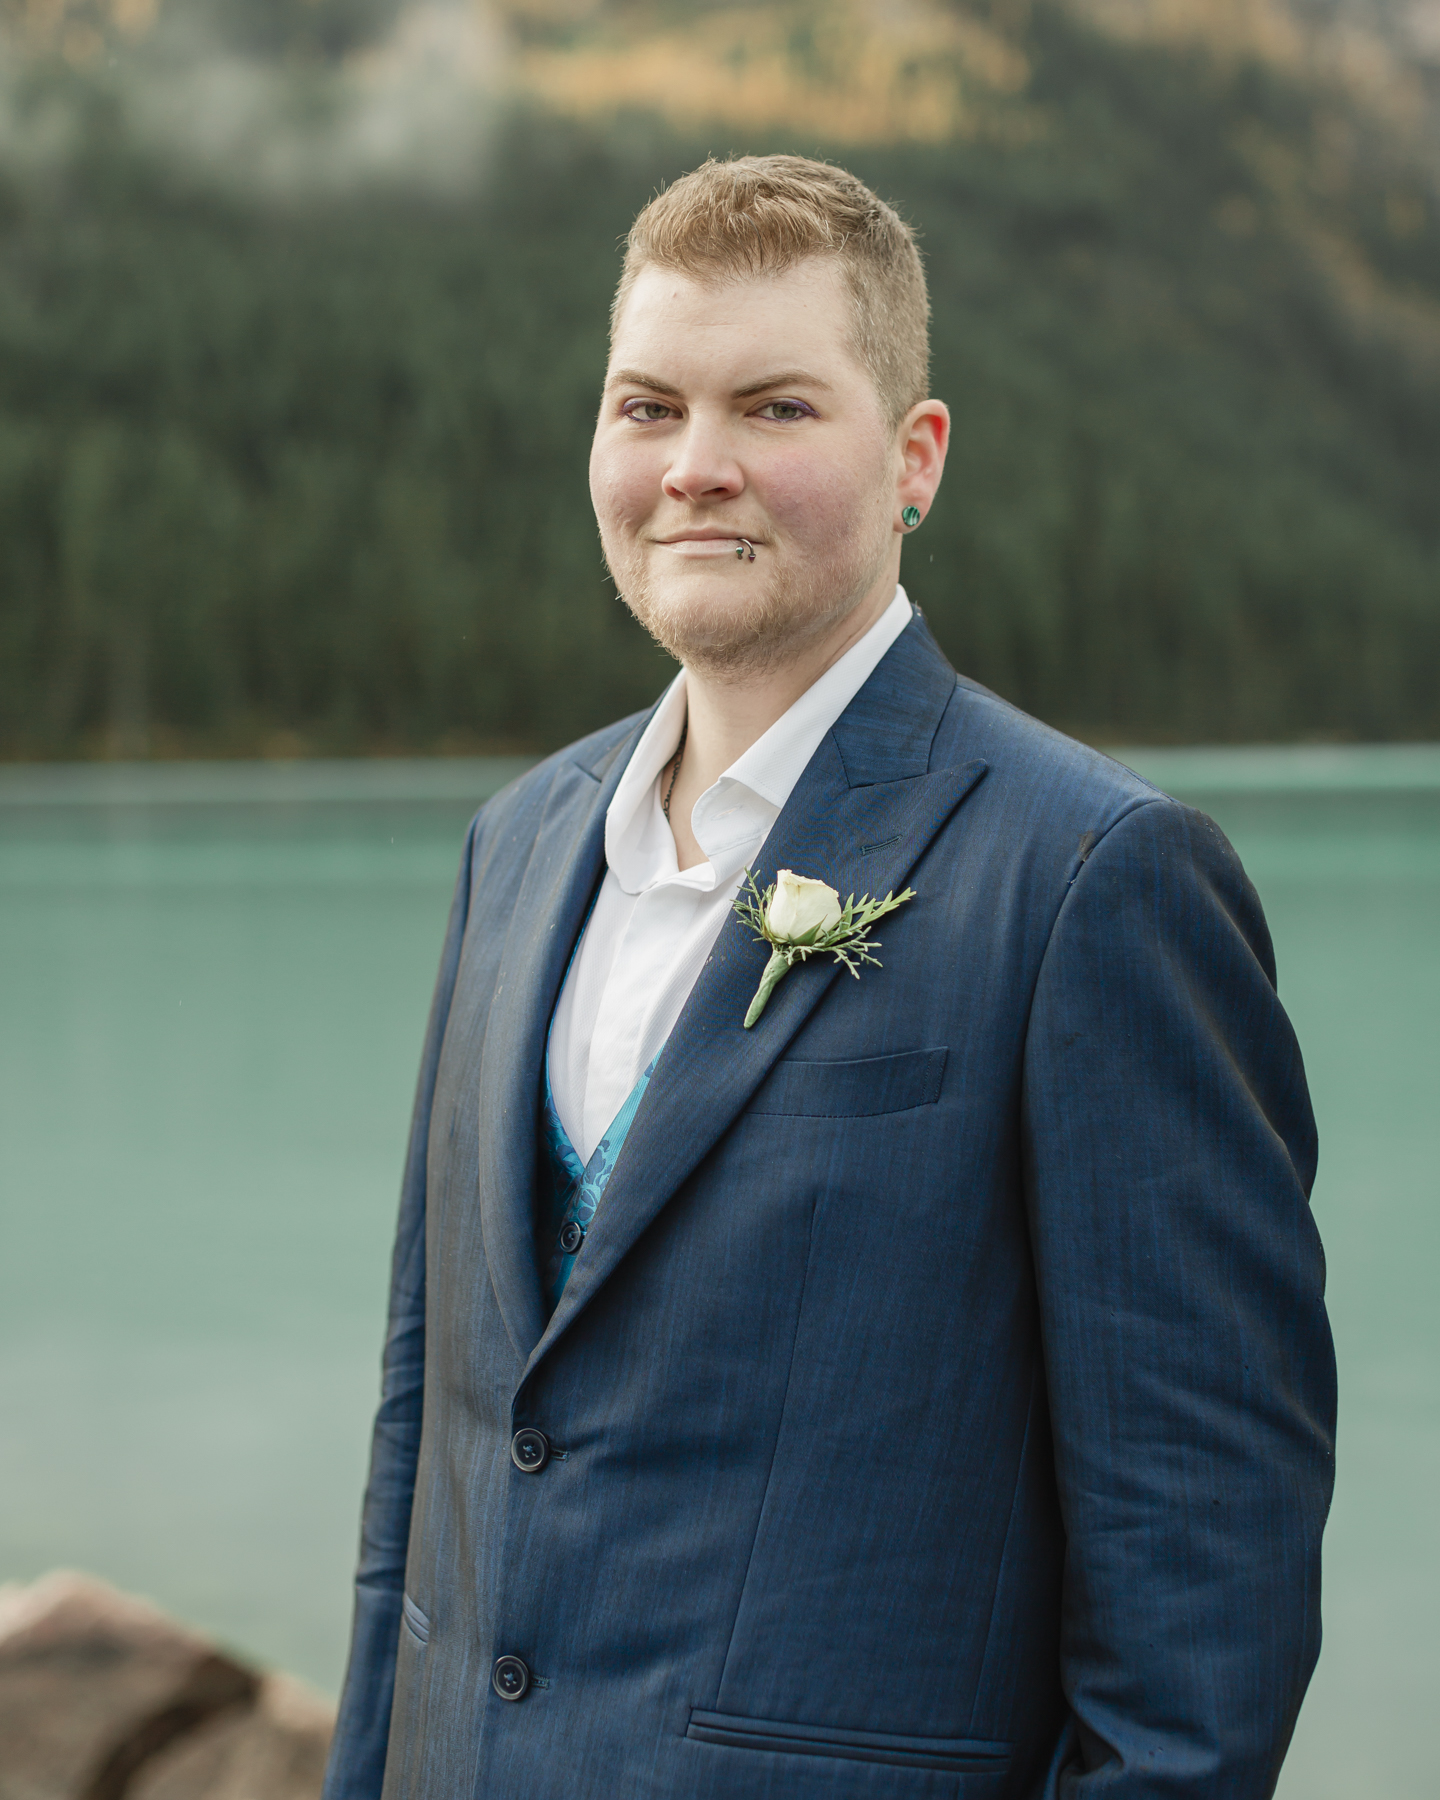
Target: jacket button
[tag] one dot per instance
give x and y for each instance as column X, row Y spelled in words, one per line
column 510, row 1678
column 572, row 1236
column 529, row 1451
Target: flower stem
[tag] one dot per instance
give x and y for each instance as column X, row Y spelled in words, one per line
column 774, row 969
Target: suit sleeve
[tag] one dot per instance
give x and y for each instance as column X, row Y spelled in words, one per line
column 356, row 1769
column 1170, row 1150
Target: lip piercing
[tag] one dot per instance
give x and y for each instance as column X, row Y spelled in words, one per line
column 744, row 544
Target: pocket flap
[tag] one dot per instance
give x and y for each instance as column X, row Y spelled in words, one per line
column 953, row 1755
column 852, row 1090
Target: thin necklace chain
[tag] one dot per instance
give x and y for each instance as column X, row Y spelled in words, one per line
column 675, row 772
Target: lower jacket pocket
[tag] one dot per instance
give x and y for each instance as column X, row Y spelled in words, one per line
column 953, row 1756
column 415, row 1620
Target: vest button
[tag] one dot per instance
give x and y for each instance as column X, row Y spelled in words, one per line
column 510, row 1678
column 529, row 1451
column 572, row 1236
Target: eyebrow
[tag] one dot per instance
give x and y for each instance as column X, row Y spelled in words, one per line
column 785, row 378
column 638, row 378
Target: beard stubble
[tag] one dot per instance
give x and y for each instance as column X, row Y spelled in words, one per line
column 760, row 628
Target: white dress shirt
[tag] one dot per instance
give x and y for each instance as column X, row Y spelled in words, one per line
column 654, row 924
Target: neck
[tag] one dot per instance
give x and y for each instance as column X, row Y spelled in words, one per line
column 726, row 716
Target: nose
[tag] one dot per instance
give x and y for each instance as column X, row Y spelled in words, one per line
column 704, row 468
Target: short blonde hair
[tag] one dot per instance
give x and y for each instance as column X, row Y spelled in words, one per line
column 760, row 215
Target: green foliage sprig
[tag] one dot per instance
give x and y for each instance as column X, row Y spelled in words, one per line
column 848, row 941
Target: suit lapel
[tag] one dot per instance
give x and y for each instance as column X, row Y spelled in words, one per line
column 860, row 817
column 566, row 862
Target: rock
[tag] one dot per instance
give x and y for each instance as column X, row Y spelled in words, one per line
column 102, row 1697
column 276, row 1751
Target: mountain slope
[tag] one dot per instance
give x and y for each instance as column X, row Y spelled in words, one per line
column 304, row 465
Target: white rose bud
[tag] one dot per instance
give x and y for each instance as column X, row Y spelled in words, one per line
column 801, row 908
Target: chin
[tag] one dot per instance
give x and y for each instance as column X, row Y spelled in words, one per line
column 734, row 619
column 729, row 620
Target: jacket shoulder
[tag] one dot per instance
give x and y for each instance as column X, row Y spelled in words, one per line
column 1053, row 804
column 1038, row 772
column 525, row 797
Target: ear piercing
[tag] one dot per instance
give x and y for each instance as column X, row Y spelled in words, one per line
column 910, row 516
column 742, row 545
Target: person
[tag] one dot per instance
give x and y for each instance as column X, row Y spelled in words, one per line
column 922, row 1387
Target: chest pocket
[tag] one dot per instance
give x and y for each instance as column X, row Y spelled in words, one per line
column 852, row 1090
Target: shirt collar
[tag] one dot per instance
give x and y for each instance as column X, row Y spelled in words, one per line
column 732, row 818
column 775, row 762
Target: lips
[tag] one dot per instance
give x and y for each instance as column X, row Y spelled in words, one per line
column 708, row 548
column 708, row 537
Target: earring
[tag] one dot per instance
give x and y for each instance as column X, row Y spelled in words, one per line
column 911, row 516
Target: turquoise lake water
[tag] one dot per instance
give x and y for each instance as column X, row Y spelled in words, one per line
column 214, row 985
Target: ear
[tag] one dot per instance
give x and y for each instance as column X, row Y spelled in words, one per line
column 922, row 439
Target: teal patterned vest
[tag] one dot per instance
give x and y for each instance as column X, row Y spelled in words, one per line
column 569, row 1189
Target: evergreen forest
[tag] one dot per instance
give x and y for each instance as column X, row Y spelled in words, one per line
column 302, row 470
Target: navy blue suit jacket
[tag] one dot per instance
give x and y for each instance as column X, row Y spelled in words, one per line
column 944, row 1387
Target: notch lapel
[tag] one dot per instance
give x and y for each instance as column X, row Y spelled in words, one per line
column 860, row 818
column 565, row 864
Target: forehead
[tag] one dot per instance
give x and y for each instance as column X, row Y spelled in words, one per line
column 801, row 317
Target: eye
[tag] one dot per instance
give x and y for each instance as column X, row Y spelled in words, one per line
column 647, row 412
column 783, row 412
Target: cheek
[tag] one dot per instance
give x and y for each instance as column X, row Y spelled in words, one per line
column 624, row 480
column 819, row 500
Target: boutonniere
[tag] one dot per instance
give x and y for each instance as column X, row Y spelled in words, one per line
column 798, row 917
